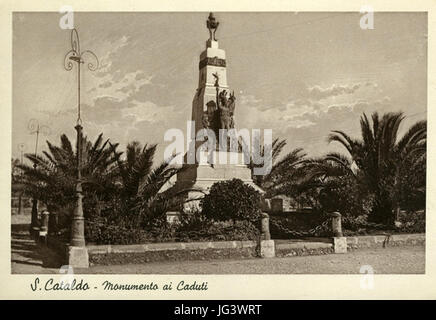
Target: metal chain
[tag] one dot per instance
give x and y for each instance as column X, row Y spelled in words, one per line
column 314, row 231
column 365, row 223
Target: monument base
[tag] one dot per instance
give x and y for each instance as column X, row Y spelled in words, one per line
column 78, row 257
column 195, row 180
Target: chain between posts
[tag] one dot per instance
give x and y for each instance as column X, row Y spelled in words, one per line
column 322, row 227
column 312, row 232
column 365, row 224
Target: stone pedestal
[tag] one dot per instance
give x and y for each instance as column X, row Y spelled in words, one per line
column 78, row 257
column 340, row 244
column 267, row 249
column 199, row 178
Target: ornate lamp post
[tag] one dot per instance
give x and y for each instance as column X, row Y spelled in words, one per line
column 75, row 55
column 35, row 128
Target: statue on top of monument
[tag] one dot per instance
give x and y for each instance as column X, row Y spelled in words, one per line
column 217, row 79
column 212, row 24
column 226, row 107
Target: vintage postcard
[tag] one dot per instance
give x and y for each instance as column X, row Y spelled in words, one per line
column 242, row 151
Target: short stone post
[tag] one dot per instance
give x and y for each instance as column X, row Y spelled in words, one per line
column 336, row 224
column 264, row 220
column 44, row 225
column 44, row 221
column 267, row 246
column 277, row 205
column 339, row 241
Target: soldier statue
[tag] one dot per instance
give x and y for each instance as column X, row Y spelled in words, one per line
column 226, row 107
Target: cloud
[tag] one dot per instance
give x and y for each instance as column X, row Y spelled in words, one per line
column 105, row 109
column 313, row 98
column 105, row 84
column 306, row 123
column 318, row 93
column 113, row 50
column 248, row 100
column 380, row 105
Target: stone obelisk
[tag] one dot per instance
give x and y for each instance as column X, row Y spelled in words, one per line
column 214, row 165
column 212, row 78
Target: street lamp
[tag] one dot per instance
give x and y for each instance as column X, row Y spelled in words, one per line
column 75, row 55
column 21, row 147
column 35, row 128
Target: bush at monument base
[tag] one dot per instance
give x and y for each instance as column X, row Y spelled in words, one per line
column 232, row 200
column 218, row 231
column 191, row 228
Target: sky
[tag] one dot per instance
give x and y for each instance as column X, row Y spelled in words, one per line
column 299, row 74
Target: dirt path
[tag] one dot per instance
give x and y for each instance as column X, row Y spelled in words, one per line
column 394, row 260
column 30, row 258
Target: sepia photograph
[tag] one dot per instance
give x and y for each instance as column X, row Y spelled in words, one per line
column 218, row 143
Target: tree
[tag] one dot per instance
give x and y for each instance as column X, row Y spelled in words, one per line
column 334, row 186
column 139, row 184
column 285, row 173
column 288, row 175
column 383, row 160
column 54, row 177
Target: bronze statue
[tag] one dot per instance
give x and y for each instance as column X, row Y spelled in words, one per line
column 226, row 108
column 212, row 24
column 217, row 78
column 208, row 115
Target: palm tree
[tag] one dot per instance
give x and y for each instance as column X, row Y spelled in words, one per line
column 382, row 159
column 139, row 184
column 286, row 173
column 332, row 182
column 53, row 178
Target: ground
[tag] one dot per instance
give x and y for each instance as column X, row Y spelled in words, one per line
column 29, row 258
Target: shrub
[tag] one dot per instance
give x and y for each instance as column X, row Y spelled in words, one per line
column 160, row 230
column 408, row 222
column 232, row 200
column 344, row 195
column 353, row 226
column 102, row 233
column 217, row 231
column 192, row 228
column 412, row 222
